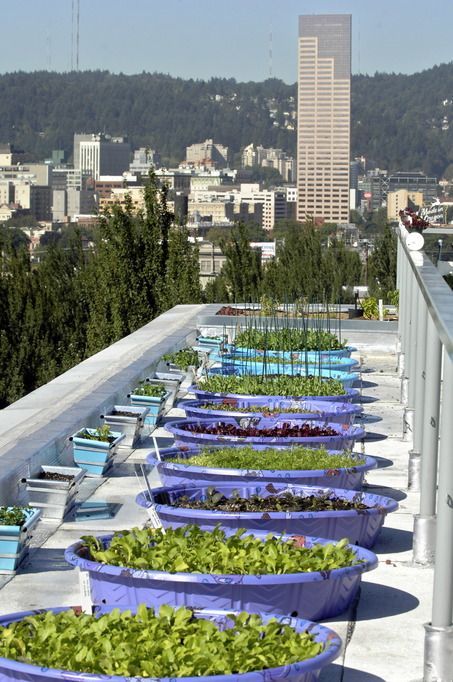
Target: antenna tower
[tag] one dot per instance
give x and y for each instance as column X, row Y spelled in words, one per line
column 77, row 35
column 270, row 55
column 72, row 35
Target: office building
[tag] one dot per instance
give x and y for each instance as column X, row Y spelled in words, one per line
column 323, row 128
column 414, row 182
column 100, row 154
column 208, row 154
column 401, row 199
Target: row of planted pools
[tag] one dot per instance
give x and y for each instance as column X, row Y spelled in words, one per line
column 258, row 531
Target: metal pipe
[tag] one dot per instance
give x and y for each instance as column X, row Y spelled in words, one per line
column 419, row 375
column 413, row 338
column 443, row 570
column 424, row 545
column 430, row 441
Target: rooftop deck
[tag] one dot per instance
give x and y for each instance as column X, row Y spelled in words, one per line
column 383, row 633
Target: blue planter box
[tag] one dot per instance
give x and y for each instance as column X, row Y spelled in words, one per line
column 14, row 541
column 95, row 456
column 155, row 406
column 302, row 671
column 314, row 595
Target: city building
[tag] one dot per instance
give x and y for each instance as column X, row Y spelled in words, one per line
column 215, row 211
column 211, row 260
column 10, row 156
column 323, row 126
column 99, row 154
column 270, row 158
column 414, row 182
column 121, row 195
column 144, row 160
column 208, row 154
column 372, row 190
column 401, row 199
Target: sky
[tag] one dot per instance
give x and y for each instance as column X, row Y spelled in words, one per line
column 200, row 39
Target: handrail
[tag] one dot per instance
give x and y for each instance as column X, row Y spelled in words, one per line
column 435, row 291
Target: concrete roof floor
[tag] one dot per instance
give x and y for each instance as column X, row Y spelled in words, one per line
column 382, row 634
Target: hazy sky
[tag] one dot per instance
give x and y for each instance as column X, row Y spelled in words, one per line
column 204, row 38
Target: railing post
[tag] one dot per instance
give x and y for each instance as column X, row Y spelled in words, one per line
column 425, row 521
column 402, row 306
column 410, row 364
column 438, row 663
column 419, row 389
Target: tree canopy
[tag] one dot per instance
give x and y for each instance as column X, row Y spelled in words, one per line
column 399, row 122
column 76, row 302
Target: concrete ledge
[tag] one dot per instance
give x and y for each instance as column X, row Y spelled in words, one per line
column 35, row 429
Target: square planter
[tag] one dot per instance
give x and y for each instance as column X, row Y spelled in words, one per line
column 94, row 456
column 155, row 405
column 14, row 542
column 55, row 498
column 129, row 421
column 172, row 382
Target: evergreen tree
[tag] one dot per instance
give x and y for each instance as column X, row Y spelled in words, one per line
column 182, row 275
column 241, row 271
column 382, row 264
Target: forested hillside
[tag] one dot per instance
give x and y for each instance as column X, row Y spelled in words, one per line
column 400, row 122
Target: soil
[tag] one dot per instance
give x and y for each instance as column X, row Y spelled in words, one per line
column 123, row 413
column 284, row 431
column 54, row 476
column 273, row 503
column 250, row 312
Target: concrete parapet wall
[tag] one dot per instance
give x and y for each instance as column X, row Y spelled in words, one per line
column 35, row 429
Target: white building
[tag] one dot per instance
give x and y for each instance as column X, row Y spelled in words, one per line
column 98, row 154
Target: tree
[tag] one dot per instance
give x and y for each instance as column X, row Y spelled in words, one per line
column 382, row 264
column 242, row 268
column 182, row 275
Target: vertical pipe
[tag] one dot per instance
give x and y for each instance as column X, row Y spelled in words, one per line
column 430, row 441
column 424, row 545
column 402, row 288
column 443, row 570
column 419, row 376
column 413, row 339
column 407, row 318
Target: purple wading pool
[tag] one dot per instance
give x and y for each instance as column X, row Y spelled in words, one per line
column 303, row 671
column 334, row 413
column 360, row 527
column 176, row 474
column 313, row 595
column 346, row 397
column 187, row 431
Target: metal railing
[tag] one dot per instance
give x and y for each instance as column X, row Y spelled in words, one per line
column 426, row 367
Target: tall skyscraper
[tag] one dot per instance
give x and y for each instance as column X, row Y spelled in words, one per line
column 324, row 116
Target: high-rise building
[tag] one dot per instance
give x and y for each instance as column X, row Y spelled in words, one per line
column 208, row 153
column 99, row 154
column 324, row 113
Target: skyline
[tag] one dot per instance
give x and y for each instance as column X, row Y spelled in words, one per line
column 182, row 38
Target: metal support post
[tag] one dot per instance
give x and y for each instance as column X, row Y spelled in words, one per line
column 406, row 346
column 425, row 521
column 438, row 664
column 419, row 385
column 402, row 307
column 408, row 415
